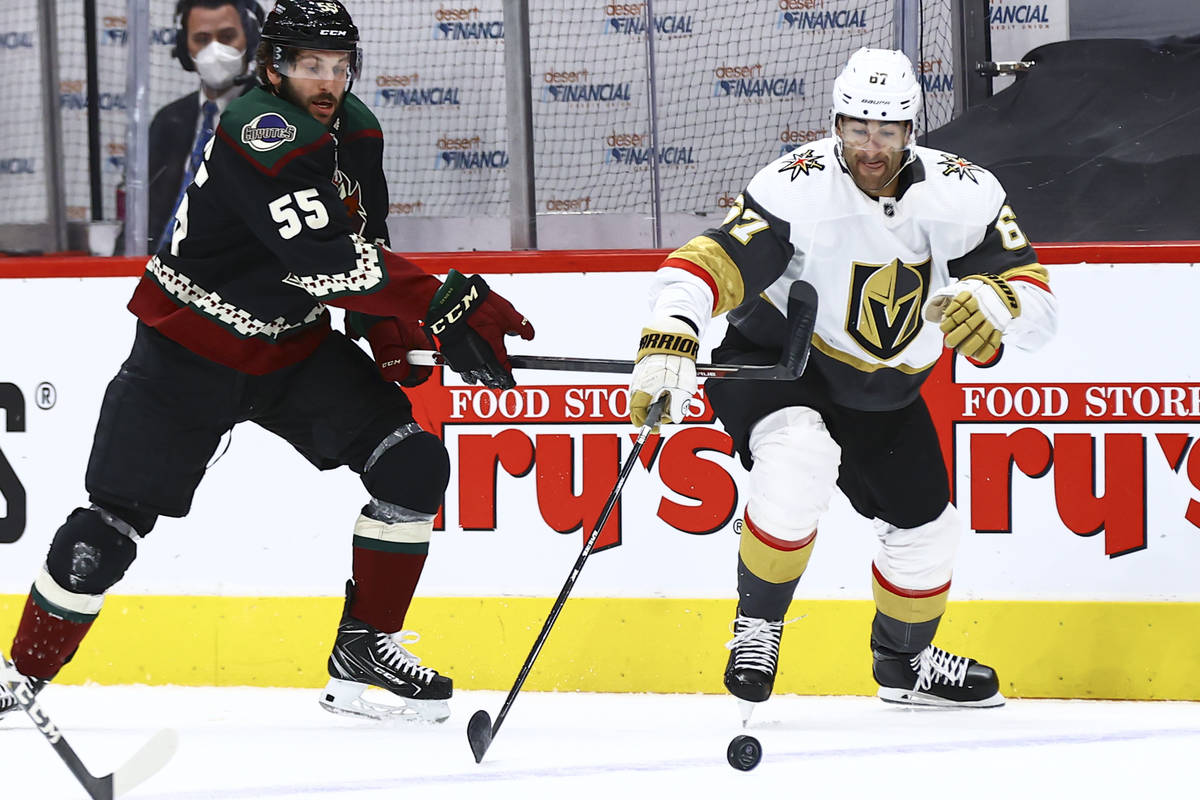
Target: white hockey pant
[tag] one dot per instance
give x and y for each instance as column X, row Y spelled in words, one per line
column 794, row 474
column 919, row 558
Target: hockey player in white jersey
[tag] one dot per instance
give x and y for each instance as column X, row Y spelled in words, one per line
column 910, row 249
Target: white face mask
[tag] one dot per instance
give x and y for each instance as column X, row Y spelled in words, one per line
column 218, row 64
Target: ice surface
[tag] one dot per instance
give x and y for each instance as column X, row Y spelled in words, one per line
column 277, row 744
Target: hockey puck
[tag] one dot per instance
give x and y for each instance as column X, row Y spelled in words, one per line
column 744, row 753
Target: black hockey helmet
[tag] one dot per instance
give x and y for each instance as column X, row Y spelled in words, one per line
column 310, row 25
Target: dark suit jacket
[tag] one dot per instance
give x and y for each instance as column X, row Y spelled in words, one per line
column 172, row 133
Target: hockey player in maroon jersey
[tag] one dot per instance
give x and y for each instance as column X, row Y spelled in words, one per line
column 285, row 216
column 909, row 249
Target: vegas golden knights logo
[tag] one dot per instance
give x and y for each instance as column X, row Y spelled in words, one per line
column 884, row 315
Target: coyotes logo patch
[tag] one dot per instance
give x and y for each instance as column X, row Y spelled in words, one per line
column 268, row 131
column 351, row 194
column 802, row 163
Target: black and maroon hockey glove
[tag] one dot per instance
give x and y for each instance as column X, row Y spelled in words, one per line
column 391, row 339
column 470, row 322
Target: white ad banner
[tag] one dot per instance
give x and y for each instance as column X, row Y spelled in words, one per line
column 1076, row 467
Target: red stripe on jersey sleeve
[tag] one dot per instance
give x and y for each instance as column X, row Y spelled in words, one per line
column 365, row 133
column 702, row 274
column 1034, row 281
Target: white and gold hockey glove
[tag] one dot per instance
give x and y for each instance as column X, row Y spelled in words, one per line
column 973, row 313
column 666, row 362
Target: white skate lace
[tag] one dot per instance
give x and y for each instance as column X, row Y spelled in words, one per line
column 9, row 675
column 755, row 642
column 392, row 653
column 935, row 665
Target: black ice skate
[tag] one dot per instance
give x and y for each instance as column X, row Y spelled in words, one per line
column 753, row 659
column 365, row 656
column 934, row 677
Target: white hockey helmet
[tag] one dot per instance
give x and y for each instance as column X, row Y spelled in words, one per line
column 877, row 84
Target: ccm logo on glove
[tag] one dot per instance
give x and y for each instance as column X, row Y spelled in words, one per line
column 470, row 322
column 461, row 308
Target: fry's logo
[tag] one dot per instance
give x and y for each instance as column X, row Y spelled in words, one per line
column 12, row 524
column 549, row 459
column 1002, row 435
column 1062, row 429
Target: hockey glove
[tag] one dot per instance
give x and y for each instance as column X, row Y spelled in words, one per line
column 973, row 313
column 666, row 362
column 391, row 338
column 470, row 322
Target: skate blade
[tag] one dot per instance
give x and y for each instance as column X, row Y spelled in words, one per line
column 910, row 697
column 345, row 698
column 746, row 709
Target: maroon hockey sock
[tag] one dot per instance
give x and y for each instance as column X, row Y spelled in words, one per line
column 44, row 642
column 384, row 584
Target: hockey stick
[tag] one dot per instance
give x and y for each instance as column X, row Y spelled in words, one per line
column 480, row 729
column 802, row 314
column 145, row 762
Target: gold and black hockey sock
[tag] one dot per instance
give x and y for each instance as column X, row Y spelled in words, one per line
column 769, row 570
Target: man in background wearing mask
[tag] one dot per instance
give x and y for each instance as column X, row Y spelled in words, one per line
column 217, row 40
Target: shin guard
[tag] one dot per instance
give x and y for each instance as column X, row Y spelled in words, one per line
column 769, row 570
column 793, row 476
column 388, row 560
column 49, row 633
column 911, row 583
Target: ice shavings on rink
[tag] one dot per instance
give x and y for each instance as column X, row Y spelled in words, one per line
column 277, row 744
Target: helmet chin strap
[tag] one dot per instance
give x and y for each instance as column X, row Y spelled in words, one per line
column 912, row 156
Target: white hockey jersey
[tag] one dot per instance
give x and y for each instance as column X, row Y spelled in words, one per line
column 873, row 261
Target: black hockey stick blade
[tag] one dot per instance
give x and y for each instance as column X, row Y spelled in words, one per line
column 481, row 730
column 801, row 317
column 153, row 755
column 479, row 734
column 802, row 320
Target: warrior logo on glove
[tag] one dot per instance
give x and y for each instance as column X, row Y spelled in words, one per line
column 668, row 344
column 665, row 364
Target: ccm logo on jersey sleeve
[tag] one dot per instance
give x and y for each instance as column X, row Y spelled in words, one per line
column 268, row 131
